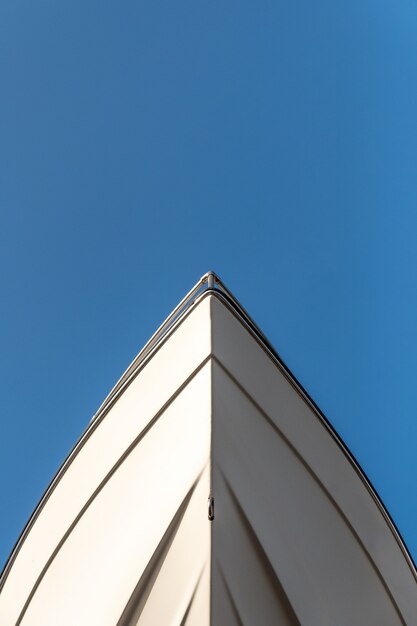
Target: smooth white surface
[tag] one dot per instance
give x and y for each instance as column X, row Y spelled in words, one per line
column 124, row 538
column 341, row 487
column 171, row 365
column 100, row 563
column 295, row 544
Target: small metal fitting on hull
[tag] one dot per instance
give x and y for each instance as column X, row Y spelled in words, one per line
column 210, row 503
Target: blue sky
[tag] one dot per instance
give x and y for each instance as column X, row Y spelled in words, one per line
column 143, row 143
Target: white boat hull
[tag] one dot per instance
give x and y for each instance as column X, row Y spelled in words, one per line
column 122, row 537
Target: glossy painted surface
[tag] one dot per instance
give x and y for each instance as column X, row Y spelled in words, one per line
column 124, row 538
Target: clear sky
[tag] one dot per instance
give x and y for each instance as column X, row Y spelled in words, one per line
column 145, row 142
